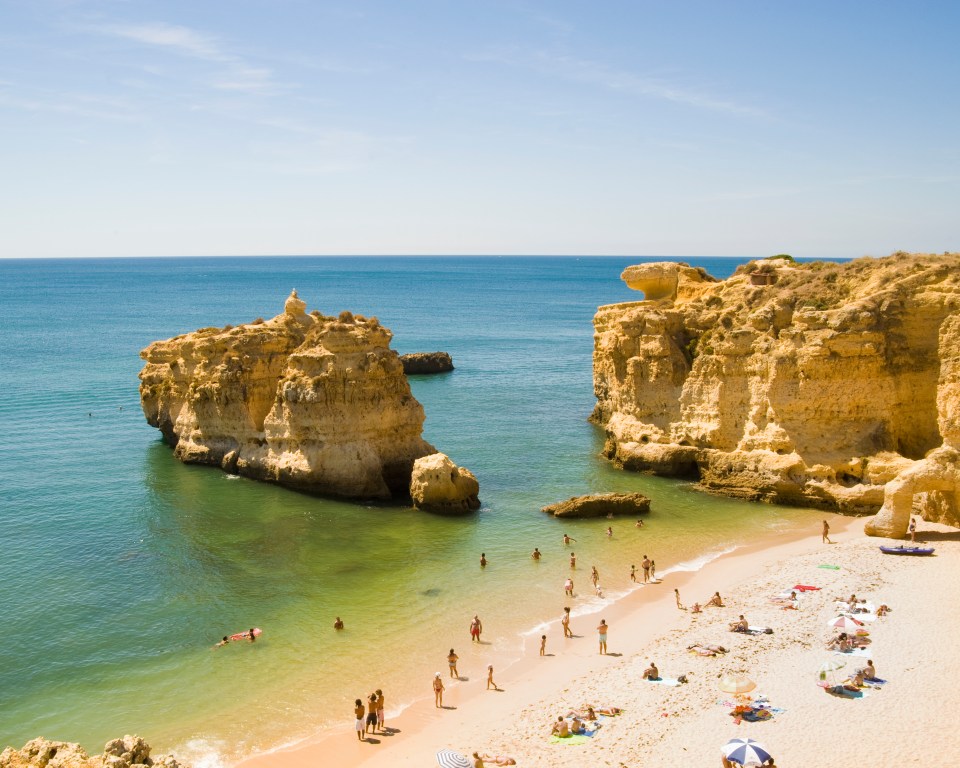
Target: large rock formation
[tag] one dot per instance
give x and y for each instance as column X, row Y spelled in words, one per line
column 314, row 402
column 128, row 752
column 812, row 384
column 439, row 485
column 426, row 362
column 600, row 505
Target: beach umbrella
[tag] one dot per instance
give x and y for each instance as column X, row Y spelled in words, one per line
column 825, row 677
column 731, row 683
column 745, row 752
column 447, row 758
column 846, row 623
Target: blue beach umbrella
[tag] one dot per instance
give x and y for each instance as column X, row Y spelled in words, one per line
column 745, row 752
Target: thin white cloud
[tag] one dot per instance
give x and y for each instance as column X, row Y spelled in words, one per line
column 612, row 79
column 182, row 40
column 237, row 75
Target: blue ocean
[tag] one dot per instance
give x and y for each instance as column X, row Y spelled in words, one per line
column 121, row 567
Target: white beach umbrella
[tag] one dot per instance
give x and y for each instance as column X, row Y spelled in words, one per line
column 745, row 752
column 731, row 683
column 447, row 758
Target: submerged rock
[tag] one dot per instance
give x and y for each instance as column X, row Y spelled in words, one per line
column 817, row 387
column 128, row 752
column 314, row 402
column 600, row 505
column 426, row 362
column 439, row 485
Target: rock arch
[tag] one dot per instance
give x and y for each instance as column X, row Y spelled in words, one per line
column 938, row 475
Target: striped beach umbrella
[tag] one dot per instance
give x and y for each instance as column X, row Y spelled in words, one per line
column 846, row 623
column 745, row 752
column 447, row 758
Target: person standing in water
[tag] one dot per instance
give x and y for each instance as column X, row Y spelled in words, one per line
column 437, row 690
column 452, row 659
column 565, row 621
column 594, row 575
column 483, row 559
column 573, row 559
column 476, row 627
column 567, row 539
column 633, row 573
column 645, row 564
column 380, row 709
column 535, row 554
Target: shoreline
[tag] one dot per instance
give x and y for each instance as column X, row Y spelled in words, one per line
column 637, row 619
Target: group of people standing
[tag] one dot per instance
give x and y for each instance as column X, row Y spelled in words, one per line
column 374, row 714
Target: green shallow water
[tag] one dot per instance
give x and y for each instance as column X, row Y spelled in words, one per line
column 122, row 566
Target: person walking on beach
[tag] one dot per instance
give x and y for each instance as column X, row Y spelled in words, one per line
column 452, row 659
column 358, row 714
column 476, row 627
column 372, row 713
column 653, row 571
column 568, row 587
column 913, row 529
column 676, row 594
column 543, row 645
column 645, row 564
column 567, row 539
column 565, row 621
column 825, row 536
column 633, row 573
column 437, row 690
column 535, row 554
column 490, row 678
column 594, row 575
column 380, row 708
column 602, row 630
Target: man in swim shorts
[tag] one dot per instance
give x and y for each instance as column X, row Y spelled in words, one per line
column 372, row 713
column 358, row 713
column 476, row 627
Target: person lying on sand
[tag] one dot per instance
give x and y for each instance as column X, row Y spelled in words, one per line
column 497, row 759
column 560, row 728
column 716, row 601
column 706, row 650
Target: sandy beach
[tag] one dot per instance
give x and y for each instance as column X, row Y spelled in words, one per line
column 689, row 722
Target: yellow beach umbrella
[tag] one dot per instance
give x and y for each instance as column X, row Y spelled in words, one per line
column 736, row 683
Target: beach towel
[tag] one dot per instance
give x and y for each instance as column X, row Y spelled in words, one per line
column 751, row 630
column 664, row 681
column 845, row 693
column 830, row 567
column 864, row 652
column 577, row 738
column 874, row 680
column 805, row 588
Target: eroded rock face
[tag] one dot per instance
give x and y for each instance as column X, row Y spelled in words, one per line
column 318, row 403
column 439, row 485
column 426, row 362
column 128, row 752
column 817, row 389
column 600, row 505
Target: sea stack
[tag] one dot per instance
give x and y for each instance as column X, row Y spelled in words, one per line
column 811, row 384
column 438, row 485
column 309, row 401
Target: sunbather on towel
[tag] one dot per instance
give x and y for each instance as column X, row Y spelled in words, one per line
column 560, row 728
column 651, row 672
column 740, row 625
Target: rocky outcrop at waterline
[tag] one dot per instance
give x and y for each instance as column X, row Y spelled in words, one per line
column 309, row 401
column 426, row 362
column 438, row 485
column 600, row 505
column 128, row 752
column 811, row 384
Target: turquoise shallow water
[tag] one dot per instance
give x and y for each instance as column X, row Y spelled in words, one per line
column 121, row 566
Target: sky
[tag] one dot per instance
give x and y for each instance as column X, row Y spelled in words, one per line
column 299, row 127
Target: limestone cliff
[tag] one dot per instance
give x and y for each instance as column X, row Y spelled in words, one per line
column 811, row 384
column 127, row 752
column 314, row 402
